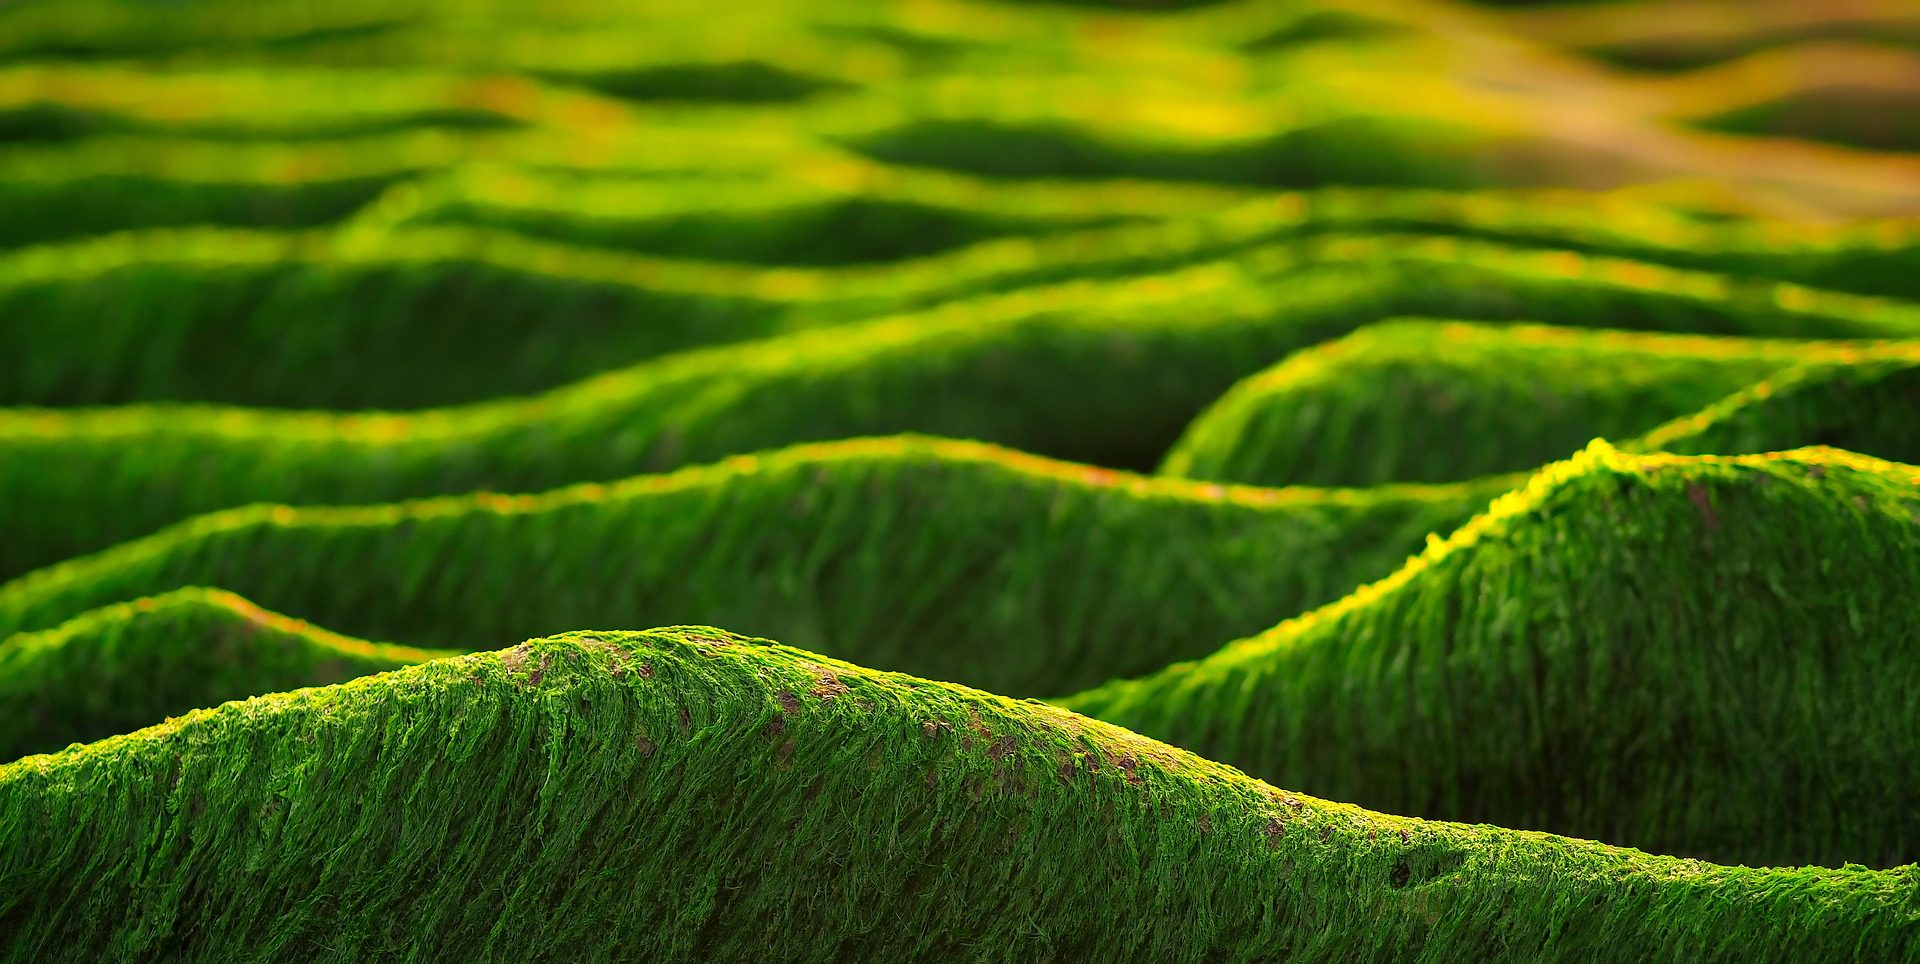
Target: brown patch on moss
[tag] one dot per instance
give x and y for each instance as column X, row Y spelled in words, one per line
column 644, row 745
column 646, row 670
column 705, row 640
column 933, row 778
column 1000, row 748
column 777, row 726
column 516, row 658
column 933, row 728
column 615, row 653
column 686, row 721
column 1703, row 501
column 783, row 757
column 788, row 701
column 1206, row 823
column 827, row 686
column 1130, row 766
column 1274, row 830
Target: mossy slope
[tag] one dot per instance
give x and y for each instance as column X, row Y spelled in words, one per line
column 125, row 666
column 677, row 795
column 1687, row 654
column 950, row 560
column 1418, row 401
column 1106, row 372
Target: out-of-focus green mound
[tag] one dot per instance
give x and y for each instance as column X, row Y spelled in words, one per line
column 670, row 795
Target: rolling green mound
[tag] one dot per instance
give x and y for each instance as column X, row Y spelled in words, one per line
column 950, row 560
column 1863, row 404
column 1099, row 372
column 121, row 667
column 1435, row 402
column 673, row 795
column 1690, row 655
column 204, row 315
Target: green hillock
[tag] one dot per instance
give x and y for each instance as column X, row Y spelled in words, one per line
column 208, row 311
column 1103, row 372
column 1418, row 401
column 1690, row 655
column 672, row 795
column 949, row 560
column 125, row 666
column 1863, row 404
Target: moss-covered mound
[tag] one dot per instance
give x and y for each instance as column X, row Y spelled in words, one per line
column 950, row 560
column 1691, row 655
column 1435, row 402
column 1106, row 372
column 205, row 315
column 124, row 666
column 674, row 795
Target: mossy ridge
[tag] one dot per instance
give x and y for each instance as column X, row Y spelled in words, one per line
column 52, row 103
column 1034, row 577
column 1425, row 401
column 1602, row 654
column 1859, row 405
column 1862, row 257
column 127, row 665
column 821, row 216
column 124, row 183
column 1103, row 372
column 226, row 298
column 1862, row 405
column 561, row 752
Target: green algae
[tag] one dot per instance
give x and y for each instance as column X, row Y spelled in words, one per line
column 1417, row 401
column 1640, row 649
column 1105, row 372
column 207, row 311
column 122, row 667
column 731, row 777
column 946, row 559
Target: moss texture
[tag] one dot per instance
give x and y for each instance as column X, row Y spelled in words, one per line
column 1106, row 372
column 1418, row 401
column 1640, row 649
column 949, row 560
column 125, row 666
column 203, row 315
column 757, row 786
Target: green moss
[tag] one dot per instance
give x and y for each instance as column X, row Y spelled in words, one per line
column 122, row 667
column 949, row 560
column 1701, row 656
column 1863, row 404
column 673, row 795
column 1417, row 401
column 1106, row 372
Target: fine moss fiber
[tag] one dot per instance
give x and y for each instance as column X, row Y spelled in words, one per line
column 1639, row 649
column 760, row 790
column 950, row 560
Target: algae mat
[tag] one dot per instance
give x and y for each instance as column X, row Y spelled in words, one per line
column 1230, row 480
